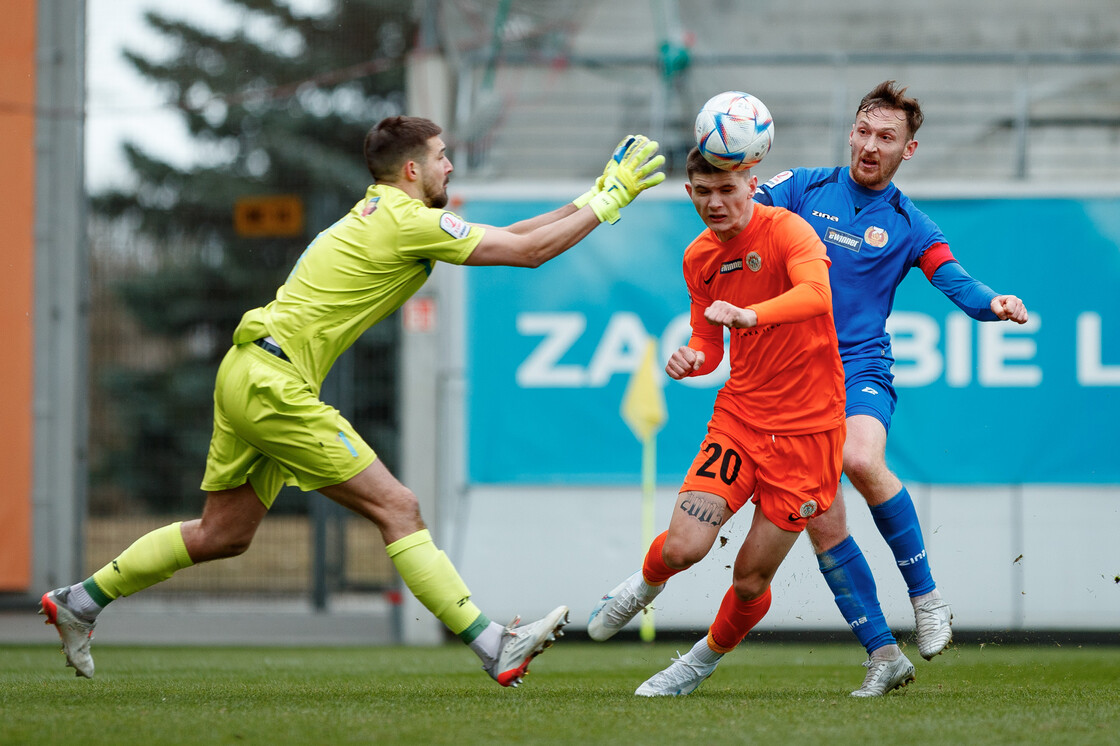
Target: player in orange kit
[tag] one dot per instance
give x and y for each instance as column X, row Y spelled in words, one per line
column 777, row 432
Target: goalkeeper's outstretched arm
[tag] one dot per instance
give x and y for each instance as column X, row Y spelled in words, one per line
column 526, row 226
column 551, row 234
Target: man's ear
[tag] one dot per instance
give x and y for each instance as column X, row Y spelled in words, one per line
column 410, row 170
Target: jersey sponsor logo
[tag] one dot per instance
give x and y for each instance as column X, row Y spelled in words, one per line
column 371, row 207
column 754, row 261
column 869, row 390
column 844, row 240
column 826, row 216
column 876, row 236
column 777, row 179
column 454, row 225
column 732, row 266
column 711, row 277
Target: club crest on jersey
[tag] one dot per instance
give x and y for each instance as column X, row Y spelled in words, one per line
column 754, row 261
column 876, row 236
column 732, row 266
column 454, row 225
column 844, row 240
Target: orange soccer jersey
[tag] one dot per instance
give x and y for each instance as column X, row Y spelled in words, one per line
column 786, row 375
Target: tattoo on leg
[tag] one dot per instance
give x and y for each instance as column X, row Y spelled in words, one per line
column 703, row 510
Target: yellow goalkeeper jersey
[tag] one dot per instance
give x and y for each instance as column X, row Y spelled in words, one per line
column 356, row 273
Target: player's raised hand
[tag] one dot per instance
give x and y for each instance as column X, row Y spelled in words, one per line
column 609, row 169
column 636, row 172
column 684, row 362
column 723, row 313
column 1009, row 307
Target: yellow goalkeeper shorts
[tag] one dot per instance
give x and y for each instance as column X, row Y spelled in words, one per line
column 271, row 428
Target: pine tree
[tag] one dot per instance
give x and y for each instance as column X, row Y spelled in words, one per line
column 279, row 106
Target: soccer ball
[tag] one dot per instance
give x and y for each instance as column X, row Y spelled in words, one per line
column 734, row 131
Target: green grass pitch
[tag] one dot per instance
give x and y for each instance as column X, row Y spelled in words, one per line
column 577, row 693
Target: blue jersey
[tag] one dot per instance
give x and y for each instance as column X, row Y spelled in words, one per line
column 873, row 239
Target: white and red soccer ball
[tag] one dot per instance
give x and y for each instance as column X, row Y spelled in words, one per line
column 734, row 131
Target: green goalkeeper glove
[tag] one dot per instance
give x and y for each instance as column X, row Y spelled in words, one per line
column 636, row 172
column 608, row 170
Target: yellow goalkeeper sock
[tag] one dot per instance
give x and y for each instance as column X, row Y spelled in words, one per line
column 432, row 578
column 151, row 559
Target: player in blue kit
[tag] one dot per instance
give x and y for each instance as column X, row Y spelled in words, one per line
column 874, row 235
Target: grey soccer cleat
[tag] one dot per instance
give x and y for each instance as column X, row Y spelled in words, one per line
column 619, row 606
column 934, row 622
column 522, row 644
column 75, row 632
column 884, row 676
column 680, row 678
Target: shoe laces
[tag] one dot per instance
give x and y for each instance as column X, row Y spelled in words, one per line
column 929, row 616
column 512, row 633
column 684, row 673
column 626, row 605
column 875, row 670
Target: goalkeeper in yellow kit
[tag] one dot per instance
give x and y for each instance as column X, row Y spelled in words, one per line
column 271, row 428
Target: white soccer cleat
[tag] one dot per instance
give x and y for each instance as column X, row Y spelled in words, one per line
column 619, row 606
column 884, row 676
column 682, row 677
column 75, row 632
column 522, row 644
column 934, row 622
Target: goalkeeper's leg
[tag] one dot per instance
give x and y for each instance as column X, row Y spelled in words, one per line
column 229, row 521
column 227, row 526
column 505, row 652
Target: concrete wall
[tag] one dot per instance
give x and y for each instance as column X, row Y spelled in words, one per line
column 1006, row 558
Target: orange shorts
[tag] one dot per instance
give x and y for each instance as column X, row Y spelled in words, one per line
column 790, row 477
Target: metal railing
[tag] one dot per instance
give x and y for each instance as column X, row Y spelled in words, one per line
column 999, row 107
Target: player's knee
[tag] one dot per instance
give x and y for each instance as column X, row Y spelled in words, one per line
column 749, row 587
column 860, row 465
column 396, row 512
column 402, row 503
column 681, row 555
column 827, row 530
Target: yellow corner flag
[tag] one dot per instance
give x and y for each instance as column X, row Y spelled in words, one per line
column 643, row 409
column 643, row 404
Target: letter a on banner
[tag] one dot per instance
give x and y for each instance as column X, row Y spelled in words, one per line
column 643, row 409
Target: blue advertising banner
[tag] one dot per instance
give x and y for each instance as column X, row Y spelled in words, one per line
column 550, row 350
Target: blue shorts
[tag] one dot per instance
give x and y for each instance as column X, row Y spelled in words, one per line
column 870, row 390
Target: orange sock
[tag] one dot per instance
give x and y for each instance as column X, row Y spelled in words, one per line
column 654, row 569
column 735, row 619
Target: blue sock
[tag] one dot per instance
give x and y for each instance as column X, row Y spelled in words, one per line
column 898, row 523
column 847, row 573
